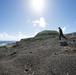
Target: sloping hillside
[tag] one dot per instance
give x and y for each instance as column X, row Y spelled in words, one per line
column 50, row 33
column 40, row 55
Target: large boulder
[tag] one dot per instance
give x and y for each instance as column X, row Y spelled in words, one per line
column 63, row 43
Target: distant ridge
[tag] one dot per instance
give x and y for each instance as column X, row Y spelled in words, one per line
column 47, row 33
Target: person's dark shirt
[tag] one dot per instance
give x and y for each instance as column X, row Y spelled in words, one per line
column 60, row 30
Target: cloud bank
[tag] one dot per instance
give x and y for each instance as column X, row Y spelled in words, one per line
column 6, row 37
column 41, row 22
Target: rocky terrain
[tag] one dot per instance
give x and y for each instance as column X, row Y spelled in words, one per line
column 41, row 55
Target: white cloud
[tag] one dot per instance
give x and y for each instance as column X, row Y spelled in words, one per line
column 35, row 23
column 41, row 22
column 36, row 33
column 64, row 29
column 5, row 36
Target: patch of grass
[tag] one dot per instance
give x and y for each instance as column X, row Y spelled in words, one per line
column 8, row 46
column 37, row 38
column 27, row 40
column 42, row 36
column 47, row 33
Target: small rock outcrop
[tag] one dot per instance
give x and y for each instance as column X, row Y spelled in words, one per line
column 63, row 43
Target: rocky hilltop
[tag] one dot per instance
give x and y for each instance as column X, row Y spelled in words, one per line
column 39, row 55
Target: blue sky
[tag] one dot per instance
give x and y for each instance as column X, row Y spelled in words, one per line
column 18, row 19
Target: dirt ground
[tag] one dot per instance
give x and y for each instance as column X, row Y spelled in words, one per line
column 41, row 57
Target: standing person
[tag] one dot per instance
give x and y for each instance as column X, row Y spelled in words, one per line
column 61, row 34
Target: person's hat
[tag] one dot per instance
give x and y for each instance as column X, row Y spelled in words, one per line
column 58, row 27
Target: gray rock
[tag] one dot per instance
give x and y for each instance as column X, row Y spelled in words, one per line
column 63, row 43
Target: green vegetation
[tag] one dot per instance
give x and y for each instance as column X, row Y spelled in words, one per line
column 47, row 33
column 35, row 38
column 42, row 36
column 8, row 46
